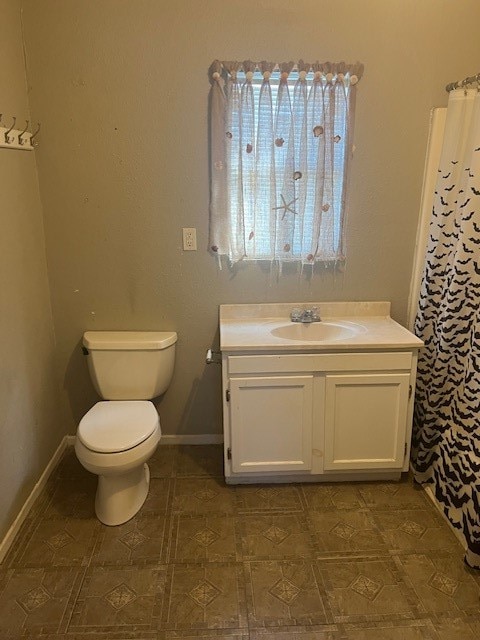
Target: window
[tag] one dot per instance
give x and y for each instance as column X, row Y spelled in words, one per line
column 280, row 142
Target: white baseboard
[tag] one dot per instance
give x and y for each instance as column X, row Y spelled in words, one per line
column 7, row 541
column 191, row 438
column 69, row 441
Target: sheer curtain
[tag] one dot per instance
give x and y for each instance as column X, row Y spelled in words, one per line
column 281, row 137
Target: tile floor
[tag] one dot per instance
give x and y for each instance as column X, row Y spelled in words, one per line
column 363, row 561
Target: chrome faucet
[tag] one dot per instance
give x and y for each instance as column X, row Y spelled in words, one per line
column 305, row 315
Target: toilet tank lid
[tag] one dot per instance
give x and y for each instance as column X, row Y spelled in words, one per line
column 128, row 340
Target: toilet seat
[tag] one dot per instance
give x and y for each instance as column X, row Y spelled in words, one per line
column 117, row 425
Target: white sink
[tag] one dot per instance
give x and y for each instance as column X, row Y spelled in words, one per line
column 317, row 331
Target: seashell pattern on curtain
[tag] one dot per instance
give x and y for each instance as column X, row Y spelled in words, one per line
column 281, row 140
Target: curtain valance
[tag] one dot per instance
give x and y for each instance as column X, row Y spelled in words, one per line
column 327, row 71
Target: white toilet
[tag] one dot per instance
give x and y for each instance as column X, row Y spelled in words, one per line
column 116, row 437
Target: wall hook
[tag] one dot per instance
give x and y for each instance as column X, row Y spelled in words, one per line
column 35, row 144
column 21, row 141
column 10, row 139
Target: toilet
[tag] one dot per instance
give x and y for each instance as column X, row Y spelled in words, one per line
column 119, row 434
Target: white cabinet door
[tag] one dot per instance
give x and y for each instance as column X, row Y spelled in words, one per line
column 271, row 423
column 365, row 421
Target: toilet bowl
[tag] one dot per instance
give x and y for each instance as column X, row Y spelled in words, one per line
column 116, row 437
column 114, row 440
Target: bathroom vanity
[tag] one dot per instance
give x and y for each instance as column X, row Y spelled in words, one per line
column 320, row 401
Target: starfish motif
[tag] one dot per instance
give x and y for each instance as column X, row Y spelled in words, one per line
column 286, row 206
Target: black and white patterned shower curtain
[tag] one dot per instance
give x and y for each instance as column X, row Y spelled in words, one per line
column 446, row 440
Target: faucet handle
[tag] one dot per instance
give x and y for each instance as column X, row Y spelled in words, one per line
column 296, row 314
column 315, row 314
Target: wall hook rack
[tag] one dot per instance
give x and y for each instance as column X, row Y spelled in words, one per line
column 11, row 138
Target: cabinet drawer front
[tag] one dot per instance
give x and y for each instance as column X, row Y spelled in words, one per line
column 365, row 418
column 319, row 362
column 271, row 423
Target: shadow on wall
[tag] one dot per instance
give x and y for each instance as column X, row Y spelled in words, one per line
column 203, row 409
column 78, row 386
column 202, row 413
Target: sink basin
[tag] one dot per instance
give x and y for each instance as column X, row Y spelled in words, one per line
column 317, row 331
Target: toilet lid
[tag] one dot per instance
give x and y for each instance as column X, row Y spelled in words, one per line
column 113, row 426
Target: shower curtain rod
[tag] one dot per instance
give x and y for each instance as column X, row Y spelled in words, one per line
column 463, row 83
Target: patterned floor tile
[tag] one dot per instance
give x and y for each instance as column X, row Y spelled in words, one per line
column 332, row 496
column 58, row 542
column 203, row 495
column 401, row 630
column 275, row 536
column 415, row 530
column 456, row 628
column 105, row 635
column 204, row 460
column 70, row 467
column 394, row 495
column 325, row 632
column 204, row 538
column 138, row 541
column 279, row 497
column 162, row 463
column 158, row 496
column 368, row 587
column 474, row 623
column 70, row 498
column 205, row 634
column 201, row 559
column 281, row 593
column 204, row 596
column 21, row 540
column 346, row 532
column 36, row 600
column 442, row 583
column 119, row 599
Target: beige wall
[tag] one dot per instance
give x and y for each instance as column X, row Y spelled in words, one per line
column 121, row 88
column 30, row 425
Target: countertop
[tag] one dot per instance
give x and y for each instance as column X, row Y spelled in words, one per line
column 248, row 327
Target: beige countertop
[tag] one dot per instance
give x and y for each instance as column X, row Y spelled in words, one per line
column 361, row 326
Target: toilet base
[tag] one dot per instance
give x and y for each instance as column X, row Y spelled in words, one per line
column 120, row 497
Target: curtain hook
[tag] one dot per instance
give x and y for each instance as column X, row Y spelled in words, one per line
column 9, row 139
column 21, row 141
column 34, row 144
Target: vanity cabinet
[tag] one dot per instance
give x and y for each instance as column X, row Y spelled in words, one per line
column 317, row 416
column 271, row 423
column 366, row 420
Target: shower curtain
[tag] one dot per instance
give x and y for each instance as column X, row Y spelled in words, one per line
column 446, row 431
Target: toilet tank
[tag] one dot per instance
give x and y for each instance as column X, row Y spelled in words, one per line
column 130, row 365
